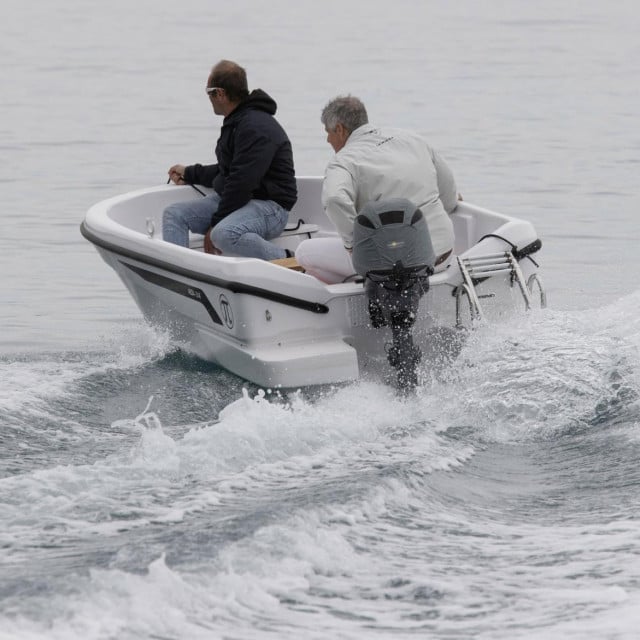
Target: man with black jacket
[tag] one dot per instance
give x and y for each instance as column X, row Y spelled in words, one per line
column 254, row 178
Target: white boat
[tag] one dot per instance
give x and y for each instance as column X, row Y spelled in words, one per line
column 278, row 327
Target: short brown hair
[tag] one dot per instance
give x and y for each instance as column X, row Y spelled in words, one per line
column 231, row 77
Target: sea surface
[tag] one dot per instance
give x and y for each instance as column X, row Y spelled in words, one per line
column 146, row 494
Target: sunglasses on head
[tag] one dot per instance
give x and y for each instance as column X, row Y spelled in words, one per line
column 213, row 91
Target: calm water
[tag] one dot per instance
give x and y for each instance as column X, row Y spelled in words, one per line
column 501, row 502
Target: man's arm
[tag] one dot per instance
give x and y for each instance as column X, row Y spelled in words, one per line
column 201, row 174
column 446, row 183
column 339, row 201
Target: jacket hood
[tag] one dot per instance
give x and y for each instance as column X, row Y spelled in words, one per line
column 258, row 99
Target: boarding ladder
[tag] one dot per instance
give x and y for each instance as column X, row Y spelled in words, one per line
column 478, row 268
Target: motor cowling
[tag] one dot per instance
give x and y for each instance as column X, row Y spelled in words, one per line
column 391, row 234
column 392, row 250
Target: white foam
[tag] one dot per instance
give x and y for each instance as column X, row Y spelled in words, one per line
column 537, row 376
column 511, row 385
column 28, row 384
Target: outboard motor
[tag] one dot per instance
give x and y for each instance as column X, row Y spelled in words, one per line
column 392, row 250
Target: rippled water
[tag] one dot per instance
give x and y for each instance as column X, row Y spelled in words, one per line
column 500, row 502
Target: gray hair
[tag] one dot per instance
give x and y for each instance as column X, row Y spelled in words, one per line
column 345, row 110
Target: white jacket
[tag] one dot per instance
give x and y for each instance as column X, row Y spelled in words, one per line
column 378, row 164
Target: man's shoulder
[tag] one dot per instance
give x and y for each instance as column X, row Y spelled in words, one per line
column 378, row 136
column 406, row 134
column 250, row 115
column 405, row 139
column 259, row 121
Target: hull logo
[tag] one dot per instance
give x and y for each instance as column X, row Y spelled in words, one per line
column 227, row 312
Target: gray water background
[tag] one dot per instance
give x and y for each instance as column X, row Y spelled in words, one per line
column 533, row 104
column 501, row 503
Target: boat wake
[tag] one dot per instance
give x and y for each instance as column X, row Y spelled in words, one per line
column 219, row 505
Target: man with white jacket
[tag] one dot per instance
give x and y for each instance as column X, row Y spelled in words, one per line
column 373, row 164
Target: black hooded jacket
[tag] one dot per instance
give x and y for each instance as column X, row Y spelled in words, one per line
column 255, row 160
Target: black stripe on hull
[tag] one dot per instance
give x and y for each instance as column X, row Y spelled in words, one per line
column 186, row 290
column 230, row 285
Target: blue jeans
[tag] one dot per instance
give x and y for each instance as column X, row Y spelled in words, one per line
column 245, row 232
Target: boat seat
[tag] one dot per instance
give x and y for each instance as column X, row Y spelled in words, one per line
column 299, row 228
column 288, row 263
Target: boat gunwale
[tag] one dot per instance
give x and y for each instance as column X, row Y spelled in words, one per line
column 230, row 285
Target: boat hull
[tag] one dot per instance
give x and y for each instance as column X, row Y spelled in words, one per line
column 274, row 326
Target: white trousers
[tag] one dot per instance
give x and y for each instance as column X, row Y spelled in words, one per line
column 329, row 261
column 326, row 259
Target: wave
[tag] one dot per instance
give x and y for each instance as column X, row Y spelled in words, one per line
column 343, row 508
